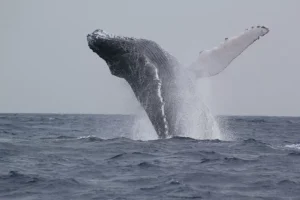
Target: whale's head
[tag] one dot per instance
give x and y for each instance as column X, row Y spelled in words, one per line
column 111, row 48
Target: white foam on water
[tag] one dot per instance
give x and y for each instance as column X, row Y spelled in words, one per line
column 86, row 137
column 293, row 146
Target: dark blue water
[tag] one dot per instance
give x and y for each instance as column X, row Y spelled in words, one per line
column 83, row 157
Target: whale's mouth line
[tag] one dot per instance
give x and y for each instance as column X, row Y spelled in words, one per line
column 91, row 42
column 98, row 35
column 102, row 44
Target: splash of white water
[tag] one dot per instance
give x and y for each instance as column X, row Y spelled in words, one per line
column 204, row 90
column 293, row 146
column 142, row 128
column 195, row 116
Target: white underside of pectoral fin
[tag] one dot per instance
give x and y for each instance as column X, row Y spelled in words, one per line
column 212, row 62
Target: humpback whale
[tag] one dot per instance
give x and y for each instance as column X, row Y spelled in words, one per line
column 159, row 81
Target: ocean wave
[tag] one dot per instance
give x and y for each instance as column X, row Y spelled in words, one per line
column 237, row 160
column 117, row 156
column 250, row 140
column 191, row 152
column 294, row 154
column 214, row 141
column 86, row 137
column 89, row 138
column 293, row 121
column 293, row 146
column 258, row 121
column 146, row 164
column 255, row 141
column 173, row 182
column 207, row 160
column 61, row 137
column 287, row 183
column 19, row 178
column 182, row 138
column 150, row 188
column 257, row 144
column 184, row 192
column 132, row 154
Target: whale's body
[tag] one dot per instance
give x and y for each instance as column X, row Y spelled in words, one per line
column 158, row 80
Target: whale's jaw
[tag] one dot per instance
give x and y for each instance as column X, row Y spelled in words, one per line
column 111, row 49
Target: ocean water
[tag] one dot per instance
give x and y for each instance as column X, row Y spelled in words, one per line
column 53, row 157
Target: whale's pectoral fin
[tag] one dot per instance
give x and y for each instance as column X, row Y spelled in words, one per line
column 212, row 62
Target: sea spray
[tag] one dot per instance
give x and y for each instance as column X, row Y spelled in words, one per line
column 142, row 129
column 204, row 92
column 194, row 116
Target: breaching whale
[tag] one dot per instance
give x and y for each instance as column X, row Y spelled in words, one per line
column 157, row 79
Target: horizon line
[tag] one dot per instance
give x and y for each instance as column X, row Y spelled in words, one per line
column 132, row 114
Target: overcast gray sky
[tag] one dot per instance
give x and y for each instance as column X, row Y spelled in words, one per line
column 46, row 65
